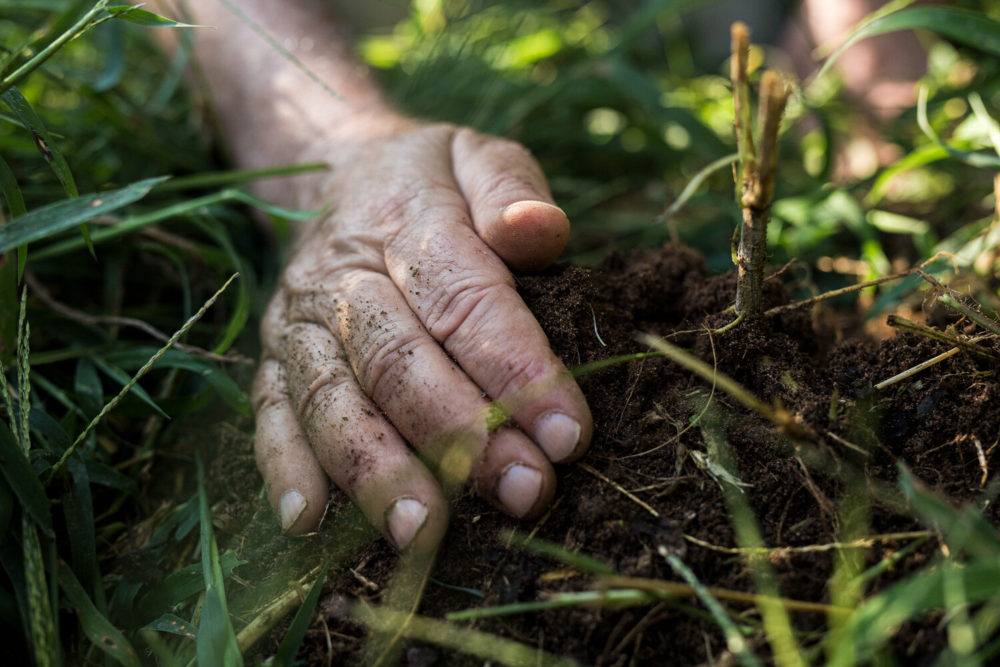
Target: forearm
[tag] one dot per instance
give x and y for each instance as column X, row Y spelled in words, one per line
column 271, row 109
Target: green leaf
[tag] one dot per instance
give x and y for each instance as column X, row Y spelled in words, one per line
column 105, row 475
column 225, row 386
column 965, row 530
column 142, row 17
column 174, row 625
column 289, row 647
column 98, row 629
column 925, row 154
column 136, row 222
column 11, row 192
column 15, row 206
column 53, row 435
column 88, row 388
column 22, row 480
column 216, row 636
column 180, row 585
column 78, row 508
column 212, row 179
column 112, row 47
column 242, row 311
column 968, row 27
column 971, row 158
column 6, row 506
column 8, row 309
column 878, row 619
column 54, row 218
column 43, row 140
column 122, row 378
column 43, row 53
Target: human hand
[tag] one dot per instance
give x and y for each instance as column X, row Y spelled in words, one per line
column 396, row 321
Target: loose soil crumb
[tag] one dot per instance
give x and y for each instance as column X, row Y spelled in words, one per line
column 646, row 443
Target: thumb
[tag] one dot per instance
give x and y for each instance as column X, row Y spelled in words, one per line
column 509, row 199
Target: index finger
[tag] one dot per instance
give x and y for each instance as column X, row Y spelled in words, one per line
column 465, row 297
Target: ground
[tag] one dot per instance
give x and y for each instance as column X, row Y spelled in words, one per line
column 651, row 484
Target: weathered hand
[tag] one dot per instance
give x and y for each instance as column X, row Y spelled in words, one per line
column 397, row 322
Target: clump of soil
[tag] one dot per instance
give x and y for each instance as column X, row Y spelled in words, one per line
column 646, row 444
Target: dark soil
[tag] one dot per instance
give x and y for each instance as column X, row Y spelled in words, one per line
column 645, row 443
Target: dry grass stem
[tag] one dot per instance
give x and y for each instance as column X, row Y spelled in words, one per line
column 805, row 303
column 275, row 610
column 618, row 487
column 898, row 322
column 863, row 543
column 922, row 366
column 661, row 587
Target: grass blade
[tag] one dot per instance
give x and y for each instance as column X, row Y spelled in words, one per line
column 216, row 641
column 734, row 640
column 972, row 28
column 582, row 562
column 122, row 378
column 965, row 530
column 289, row 647
column 238, row 176
column 775, row 616
column 23, row 482
column 52, row 47
column 227, row 389
column 173, row 624
column 54, row 218
column 473, row 642
column 136, row 222
column 43, row 140
column 133, row 14
column 78, row 508
column 241, row 312
column 178, row 586
column 15, row 207
column 98, row 629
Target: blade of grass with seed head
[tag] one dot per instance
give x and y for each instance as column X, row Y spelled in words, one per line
column 138, row 375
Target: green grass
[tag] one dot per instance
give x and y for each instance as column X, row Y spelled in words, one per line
column 635, row 134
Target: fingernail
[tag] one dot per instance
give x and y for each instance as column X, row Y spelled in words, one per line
column 519, row 488
column 405, row 518
column 511, row 212
column 557, row 434
column 291, row 507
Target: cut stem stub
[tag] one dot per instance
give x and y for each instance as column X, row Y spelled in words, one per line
column 756, row 175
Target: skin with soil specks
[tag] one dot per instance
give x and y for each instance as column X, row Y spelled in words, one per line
column 397, row 307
